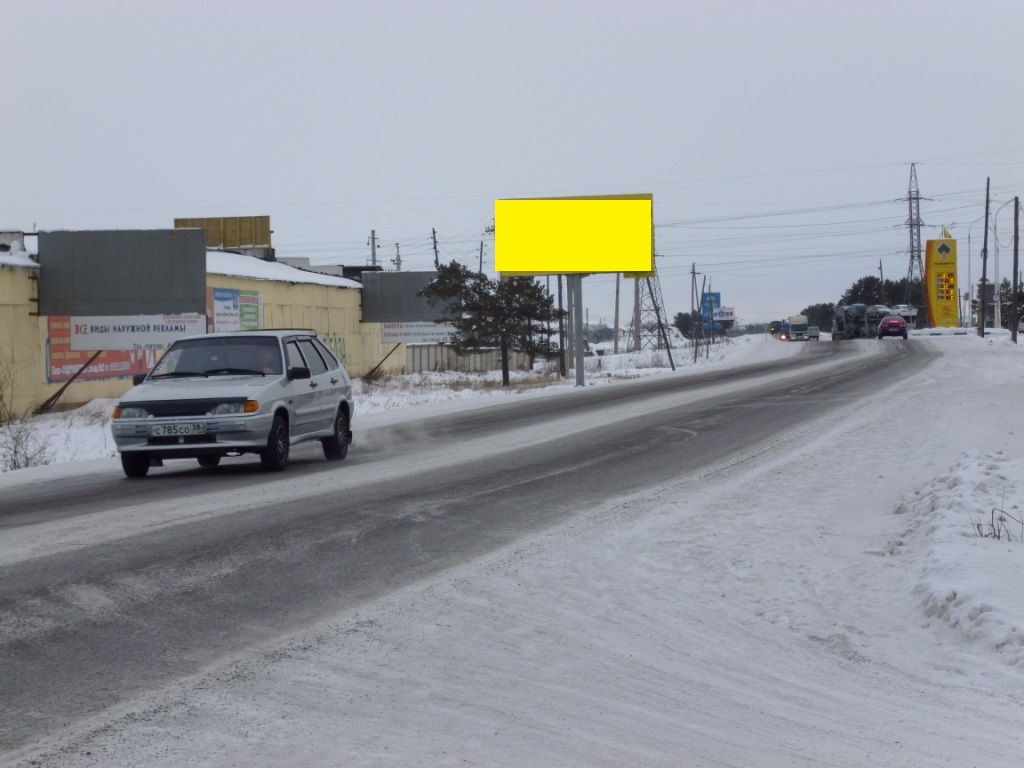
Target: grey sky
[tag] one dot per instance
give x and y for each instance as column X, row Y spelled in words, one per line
column 336, row 118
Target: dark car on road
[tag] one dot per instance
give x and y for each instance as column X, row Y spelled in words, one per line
column 226, row 394
column 892, row 326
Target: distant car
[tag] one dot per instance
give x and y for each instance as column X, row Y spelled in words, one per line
column 813, row 333
column 892, row 326
column 775, row 326
column 226, row 394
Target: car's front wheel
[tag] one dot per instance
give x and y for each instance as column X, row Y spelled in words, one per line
column 336, row 446
column 135, row 464
column 275, row 456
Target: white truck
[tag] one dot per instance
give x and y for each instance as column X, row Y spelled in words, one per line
column 798, row 328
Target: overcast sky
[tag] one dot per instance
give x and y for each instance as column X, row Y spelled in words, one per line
column 776, row 137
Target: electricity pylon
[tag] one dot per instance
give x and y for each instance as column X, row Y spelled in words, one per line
column 915, row 270
column 649, row 327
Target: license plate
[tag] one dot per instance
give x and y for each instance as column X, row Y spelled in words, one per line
column 176, row 430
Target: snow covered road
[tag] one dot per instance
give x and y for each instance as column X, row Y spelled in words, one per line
column 827, row 602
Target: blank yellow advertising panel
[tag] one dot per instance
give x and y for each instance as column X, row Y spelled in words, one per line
column 546, row 236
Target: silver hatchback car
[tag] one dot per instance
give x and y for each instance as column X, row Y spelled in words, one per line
column 226, row 394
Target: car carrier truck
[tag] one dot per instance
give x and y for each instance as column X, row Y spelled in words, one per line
column 850, row 322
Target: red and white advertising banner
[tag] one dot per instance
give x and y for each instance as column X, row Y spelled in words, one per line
column 90, row 334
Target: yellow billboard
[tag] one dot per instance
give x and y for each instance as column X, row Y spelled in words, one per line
column 569, row 235
column 941, row 288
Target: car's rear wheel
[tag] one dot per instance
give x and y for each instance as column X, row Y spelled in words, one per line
column 135, row 464
column 208, row 461
column 275, row 456
column 336, row 446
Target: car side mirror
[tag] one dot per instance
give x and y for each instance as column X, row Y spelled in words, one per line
column 138, row 378
column 298, row 372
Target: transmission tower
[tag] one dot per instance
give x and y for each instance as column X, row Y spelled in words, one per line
column 648, row 327
column 915, row 271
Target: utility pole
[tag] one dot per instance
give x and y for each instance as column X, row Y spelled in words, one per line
column 480, row 268
column 711, row 335
column 693, row 294
column 397, row 261
column 982, row 309
column 547, row 289
column 570, row 305
column 703, row 284
column 373, row 247
column 881, row 278
column 561, row 331
column 693, row 300
column 437, row 261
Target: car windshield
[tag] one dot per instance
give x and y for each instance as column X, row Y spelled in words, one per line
column 253, row 356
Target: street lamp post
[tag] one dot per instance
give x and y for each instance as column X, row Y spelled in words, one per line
column 970, row 285
column 984, row 261
column 997, row 309
column 1014, row 319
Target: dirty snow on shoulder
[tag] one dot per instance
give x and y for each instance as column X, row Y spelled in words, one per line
column 853, row 598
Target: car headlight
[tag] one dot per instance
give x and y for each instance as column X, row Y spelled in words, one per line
column 128, row 412
column 226, row 409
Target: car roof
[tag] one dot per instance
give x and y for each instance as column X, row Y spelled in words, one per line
column 277, row 333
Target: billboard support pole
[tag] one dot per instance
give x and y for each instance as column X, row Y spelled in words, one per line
column 577, row 311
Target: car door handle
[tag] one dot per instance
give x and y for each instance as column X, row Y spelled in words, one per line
column 313, row 385
column 334, row 381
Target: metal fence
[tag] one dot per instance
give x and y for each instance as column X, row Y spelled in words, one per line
column 437, row 357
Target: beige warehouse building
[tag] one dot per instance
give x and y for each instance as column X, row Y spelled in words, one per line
column 36, row 361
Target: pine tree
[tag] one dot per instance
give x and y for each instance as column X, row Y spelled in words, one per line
column 514, row 314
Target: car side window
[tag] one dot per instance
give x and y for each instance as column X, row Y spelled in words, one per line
column 294, row 357
column 312, row 356
column 328, row 356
